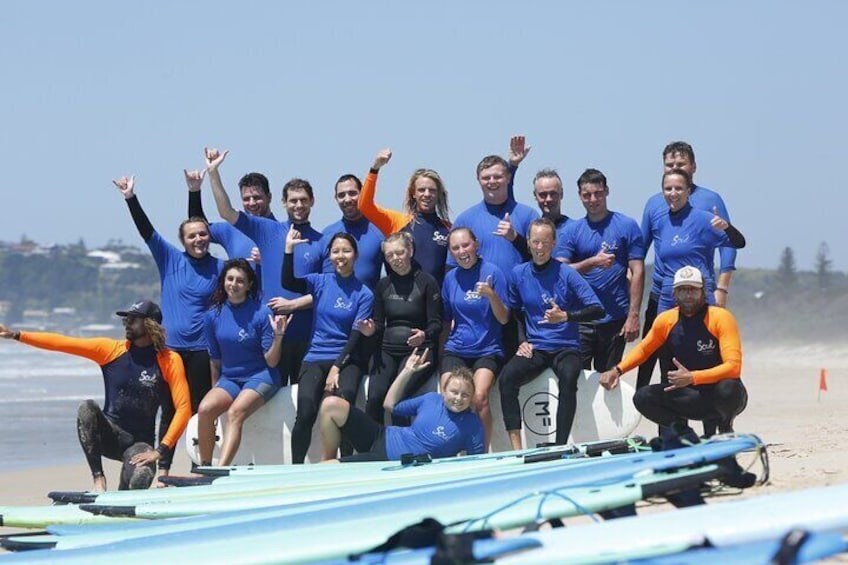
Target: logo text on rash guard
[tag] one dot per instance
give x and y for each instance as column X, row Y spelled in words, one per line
column 707, row 347
column 342, row 305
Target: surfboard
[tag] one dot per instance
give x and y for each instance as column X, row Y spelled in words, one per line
column 601, row 414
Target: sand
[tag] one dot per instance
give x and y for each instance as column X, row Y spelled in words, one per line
column 803, row 427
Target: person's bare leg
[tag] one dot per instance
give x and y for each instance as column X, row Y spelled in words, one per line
column 99, row 483
column 215, row 403
column 331, row 418
column 483, row 379
column 246, row 403
column 515, row 438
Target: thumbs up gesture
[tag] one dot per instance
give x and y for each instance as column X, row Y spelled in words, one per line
column 484, row 288
column 505, row 229
column 554, row 314
column 718, row 223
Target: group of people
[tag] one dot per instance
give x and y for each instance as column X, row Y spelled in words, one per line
column 501, row 293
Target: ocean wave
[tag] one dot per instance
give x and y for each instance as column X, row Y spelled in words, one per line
column 43, row 399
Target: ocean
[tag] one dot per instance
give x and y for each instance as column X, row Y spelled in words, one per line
column 39, row 395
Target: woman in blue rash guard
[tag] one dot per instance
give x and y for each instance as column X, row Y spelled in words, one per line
column 473, row 295
column 444, row 424
column 340, row 300
column 688, row 236
column 188, row 277
column 245, row 342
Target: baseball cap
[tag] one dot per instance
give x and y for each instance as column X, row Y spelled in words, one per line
column 143, row 309
column 688, row 276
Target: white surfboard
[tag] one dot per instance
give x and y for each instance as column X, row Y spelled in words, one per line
column 601, row 414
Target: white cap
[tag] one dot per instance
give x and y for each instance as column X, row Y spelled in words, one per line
column 688, row 276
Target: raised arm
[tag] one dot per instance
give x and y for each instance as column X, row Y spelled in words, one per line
column 277, row 324
column 518, row 150
column 387, row 221
column 287, row 278
column 214, row 158
column 194, row 180
column 126, row 185
column 414, row 363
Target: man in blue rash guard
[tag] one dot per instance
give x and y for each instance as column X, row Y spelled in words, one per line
column 602, row 247
column 551, row 297
column 547, row 190
column 680, row 155
column 368, row 237
column 269, row 236
column 256, row 201
column 499, row 223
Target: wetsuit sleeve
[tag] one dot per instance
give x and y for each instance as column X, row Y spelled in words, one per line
column 647, row 227
column 352, row 342
column 101, row 350
column 592, row 308
column 288, row 280
column 586, row 314
column 522, row 328
column 174, row 374
column 520, row 244
column 655, row 338
column 379, row 310
column 510, row 189
column 142, row 222
column 722, row 324
column 737, row 240
column 434, row 309
column 195, row 205
column 211, row 338
column 387, row 221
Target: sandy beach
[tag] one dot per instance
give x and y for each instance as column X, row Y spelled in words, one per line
column 801, row 425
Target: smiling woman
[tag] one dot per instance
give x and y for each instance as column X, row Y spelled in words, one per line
column 188, row 279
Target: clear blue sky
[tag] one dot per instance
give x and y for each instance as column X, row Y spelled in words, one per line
column 95, row 90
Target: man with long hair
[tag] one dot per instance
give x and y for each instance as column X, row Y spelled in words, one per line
column 137, row 374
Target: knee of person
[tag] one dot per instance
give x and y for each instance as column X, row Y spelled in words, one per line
column 640, row 398
column 87, row 410
column 333, row 404
column 236, row 416
column 481, row 401
column 142, row 477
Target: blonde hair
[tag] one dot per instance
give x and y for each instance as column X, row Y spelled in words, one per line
column 442, row 210
column 463, row 375
column 401, row 236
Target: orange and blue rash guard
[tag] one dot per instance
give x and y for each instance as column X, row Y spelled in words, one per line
column 707, row 344
column 135, row 380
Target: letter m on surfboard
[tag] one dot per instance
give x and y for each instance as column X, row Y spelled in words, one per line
column 543, row 411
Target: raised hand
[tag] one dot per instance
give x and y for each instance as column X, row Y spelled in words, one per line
column 255, row 256
column 383, row 157
column 6, row 333
column 214, row 158
column 484, row 288
column 518, row 149
column 293, row 238
column 194, row 179
column 366, row 327
column 680, row 377
column 126, row 186
column 505, row 229
column 718, row 223
column 279, row 323
column 554, row 314
column 416, row 362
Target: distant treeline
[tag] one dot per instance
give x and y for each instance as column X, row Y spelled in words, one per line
column 771, row 306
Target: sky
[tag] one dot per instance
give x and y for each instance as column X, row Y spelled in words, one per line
column 95, row 90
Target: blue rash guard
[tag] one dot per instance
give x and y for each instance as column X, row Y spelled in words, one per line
column 430, row 237
column 435, row 430
column 532, row 287
column 339, row 303
column 562, row 226
column 238, row 337
column 616, row 234
column 483, row 220
column 369, row 260
column 686, row 237
column 701, row 198
column 270, row 237
column 187, row 283
column 476, row 331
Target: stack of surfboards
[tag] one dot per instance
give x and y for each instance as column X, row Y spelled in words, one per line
column 302, row 514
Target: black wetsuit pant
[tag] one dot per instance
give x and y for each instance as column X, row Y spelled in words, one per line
column 384, row 370
column 100, row 437
column 199, row 377
column 291, row 361
column 721, row 401
column 603, row 344
column 310, row 392
column 519, row 371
